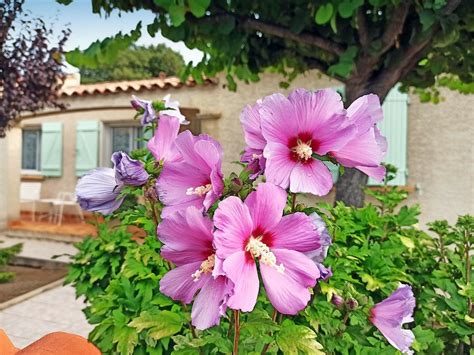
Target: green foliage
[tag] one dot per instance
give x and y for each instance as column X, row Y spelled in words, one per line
column 6, row 254
column 245, row 38
column 134, row 63
column 374, row 249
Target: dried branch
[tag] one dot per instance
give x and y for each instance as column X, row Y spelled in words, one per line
column 282, row 32
column 395, row 26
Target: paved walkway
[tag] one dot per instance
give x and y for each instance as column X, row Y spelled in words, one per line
column 53, row 310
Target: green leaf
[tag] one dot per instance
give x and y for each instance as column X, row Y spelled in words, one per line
column 199, row 7
column 160, row 324
column 292, row 339
column 324, row 14
column 427, row 19
column 177, row 14
column 346, row 8
column 126, row 339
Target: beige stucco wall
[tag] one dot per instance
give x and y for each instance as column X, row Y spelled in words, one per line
column 440, row 156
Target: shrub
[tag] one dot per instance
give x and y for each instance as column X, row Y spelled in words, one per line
column 6, row 254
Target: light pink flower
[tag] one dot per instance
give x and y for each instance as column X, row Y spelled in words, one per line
column 255, row 230
column 172, row 109
column 187, row 239
column 390, row 314
column 367, row 148
column 196, row 180
column 253, row 155
column 297, row 127
column 162, row 145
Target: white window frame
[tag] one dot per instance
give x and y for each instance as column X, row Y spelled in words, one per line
column 38, row 152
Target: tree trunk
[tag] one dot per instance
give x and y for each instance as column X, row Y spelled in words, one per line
column 350, row 186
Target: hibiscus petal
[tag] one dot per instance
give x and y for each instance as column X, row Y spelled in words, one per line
column 313, row 109
column 278, row 119
column 162, row 143
column 243, row 273
column 187, row 236
column 207, row 306
column 333, row 134
column 250, row 120
column 278, row 165
column 296, row 232
column 365, row 112
column 361, row 150
column 185, row 143
column 179, row 283
column 209, row 153
column 288, row 291
column 266, row 205
column 313, row 177
column 377, row 173
column 234, row 226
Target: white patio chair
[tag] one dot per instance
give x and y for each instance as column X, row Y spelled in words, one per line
column 65, row 199
column 30, row 192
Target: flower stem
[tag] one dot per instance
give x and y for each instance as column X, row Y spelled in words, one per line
column 236, row 332
column 293, row 202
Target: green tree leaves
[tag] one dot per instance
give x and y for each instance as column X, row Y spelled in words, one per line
column 324, row 14
column 160, row 324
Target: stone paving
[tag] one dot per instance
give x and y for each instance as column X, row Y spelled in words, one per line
column 53, row 310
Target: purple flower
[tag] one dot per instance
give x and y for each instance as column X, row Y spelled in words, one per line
column 318, row 255
column 173, row 110
column 390, row 314
column 256, row 231
column 146, row 108
column 162, row 145
column 253, row 155
column 196, row 180
column 128, row 171
column 296, row 128
column 187, row 238
column 367, row 148
column 97, row 191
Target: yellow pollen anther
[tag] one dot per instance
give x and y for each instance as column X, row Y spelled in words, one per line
column 206, row 266
column 258, row 249
column 303, row 150
column 200, row 190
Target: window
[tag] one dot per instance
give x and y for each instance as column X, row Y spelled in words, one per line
column 126, row 139
column 31, row 150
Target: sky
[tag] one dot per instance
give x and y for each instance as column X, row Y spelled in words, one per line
column 86, row 27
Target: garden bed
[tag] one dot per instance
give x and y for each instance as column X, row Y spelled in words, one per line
column 31, row 275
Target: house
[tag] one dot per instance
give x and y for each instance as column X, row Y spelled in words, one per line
column 430, row 144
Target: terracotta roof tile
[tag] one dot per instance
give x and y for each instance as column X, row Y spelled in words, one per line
column 131, row 86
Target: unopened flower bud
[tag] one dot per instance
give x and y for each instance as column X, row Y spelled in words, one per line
column 352, row 304
column 236, row 185
column 337, row 300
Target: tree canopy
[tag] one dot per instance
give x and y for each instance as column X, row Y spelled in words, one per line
column 369, row 45
column 30, row 66
column 135, row 62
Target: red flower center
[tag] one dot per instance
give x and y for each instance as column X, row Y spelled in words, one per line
column 302, row 147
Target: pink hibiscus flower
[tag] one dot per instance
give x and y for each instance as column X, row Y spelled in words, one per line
column 367, row 148
column 256, row 231
column 297, row 127
column 196, row 180
column 162, row 144
column 253, row 154
column 390, row 314
column 187, row 239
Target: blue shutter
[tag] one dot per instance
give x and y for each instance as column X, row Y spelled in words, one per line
column 394, row 128
column 87, row 146
column 51, row 148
